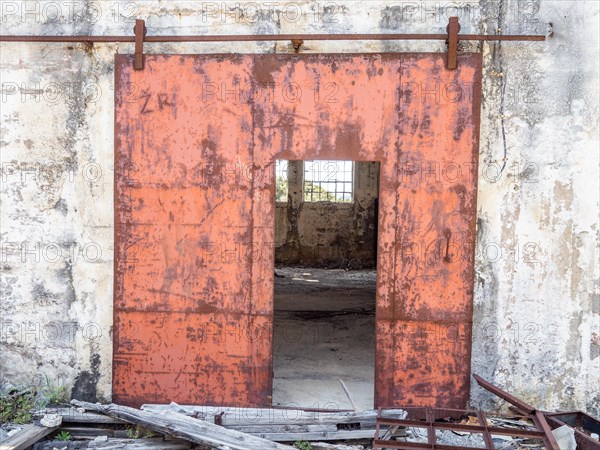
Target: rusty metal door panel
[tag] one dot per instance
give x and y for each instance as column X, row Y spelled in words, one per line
column 438, row 168
column 430, row 343
column 408, row 112
column 184, row 326
column 178, row 296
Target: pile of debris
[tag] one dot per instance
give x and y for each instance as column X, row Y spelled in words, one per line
column 206, row 427
column 174, row 427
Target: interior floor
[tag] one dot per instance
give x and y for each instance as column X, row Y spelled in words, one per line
column 324, row 332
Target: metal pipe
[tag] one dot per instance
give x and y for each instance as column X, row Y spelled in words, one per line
column 273, row 37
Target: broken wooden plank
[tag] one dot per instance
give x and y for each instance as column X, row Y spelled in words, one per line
column 73, row 415
column 104, row 443
column 350, row 399
column 390, row 432
column 93, row 432
column 319, row 435
column 281, row 428
column 185, row 427
column 232, row 417
column 139, row 444
column 326, row 446
column 26, row 437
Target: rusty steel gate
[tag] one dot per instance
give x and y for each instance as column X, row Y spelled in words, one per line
column 196, row 139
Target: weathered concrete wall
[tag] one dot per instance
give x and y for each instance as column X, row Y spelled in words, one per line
column 328, row 234
column 537, row 304
column 537, row 311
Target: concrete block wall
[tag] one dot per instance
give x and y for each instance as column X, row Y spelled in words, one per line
column 537, row 297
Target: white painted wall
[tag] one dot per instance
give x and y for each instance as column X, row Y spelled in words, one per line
column 537, row 298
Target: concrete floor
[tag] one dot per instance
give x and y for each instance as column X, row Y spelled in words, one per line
column 324, row 331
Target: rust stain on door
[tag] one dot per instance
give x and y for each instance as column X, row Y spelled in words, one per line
column 196, row 143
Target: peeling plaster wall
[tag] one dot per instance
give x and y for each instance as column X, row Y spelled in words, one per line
column 537, row 294
column 536, row 307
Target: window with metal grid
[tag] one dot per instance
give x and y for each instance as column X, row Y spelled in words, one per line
column 328, row 181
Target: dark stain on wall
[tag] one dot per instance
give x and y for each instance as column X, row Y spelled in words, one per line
column 87, row 381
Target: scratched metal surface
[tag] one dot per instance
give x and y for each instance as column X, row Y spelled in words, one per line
column 196, row 138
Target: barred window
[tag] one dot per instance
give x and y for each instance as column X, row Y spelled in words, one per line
column 328, row 181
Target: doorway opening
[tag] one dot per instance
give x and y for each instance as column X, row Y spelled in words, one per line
column 326, row 216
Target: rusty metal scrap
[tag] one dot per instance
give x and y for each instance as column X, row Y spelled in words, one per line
column 520, row 404
column 537, row 417
column 583, row 425
column 435, row 419
column 548, row 421
column 438, row 419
